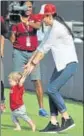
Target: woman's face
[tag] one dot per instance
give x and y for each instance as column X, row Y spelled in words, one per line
column 29, row 5
column 48, row 20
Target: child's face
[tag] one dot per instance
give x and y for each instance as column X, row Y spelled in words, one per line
column 12, row 82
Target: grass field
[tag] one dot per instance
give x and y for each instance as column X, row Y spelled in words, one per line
column 74, row 108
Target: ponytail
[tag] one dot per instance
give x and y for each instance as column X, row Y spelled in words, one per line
column 61, row 20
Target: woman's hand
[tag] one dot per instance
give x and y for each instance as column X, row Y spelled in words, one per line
column 28, row 68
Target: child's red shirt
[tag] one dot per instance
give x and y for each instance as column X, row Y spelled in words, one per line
column 16, row 97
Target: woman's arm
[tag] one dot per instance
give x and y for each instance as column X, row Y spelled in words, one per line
column 27, row 65
column 38, row 57
column 35, row 60
column 44, row 47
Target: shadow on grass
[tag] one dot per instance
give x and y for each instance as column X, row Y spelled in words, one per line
column 6, row 126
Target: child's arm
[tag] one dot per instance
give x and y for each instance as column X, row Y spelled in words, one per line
column 22, row 80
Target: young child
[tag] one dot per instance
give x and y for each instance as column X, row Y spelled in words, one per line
column 17, row 106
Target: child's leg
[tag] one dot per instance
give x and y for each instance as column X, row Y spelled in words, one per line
column 24, row 116
column 32, row 125
column 17, row 128
column 29, row 121
column 16, row 122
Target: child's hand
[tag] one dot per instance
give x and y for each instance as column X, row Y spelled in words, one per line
column 25, row 72
column 28, row 68
column 22, row 80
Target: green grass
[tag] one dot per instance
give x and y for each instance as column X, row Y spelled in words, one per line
column 74, row 108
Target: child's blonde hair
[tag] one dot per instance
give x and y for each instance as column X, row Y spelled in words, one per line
column 16, row 76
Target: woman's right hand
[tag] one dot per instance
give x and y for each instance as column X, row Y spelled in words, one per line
column 28, row 68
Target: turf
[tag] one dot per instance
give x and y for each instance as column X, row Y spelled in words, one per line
column 74, row 108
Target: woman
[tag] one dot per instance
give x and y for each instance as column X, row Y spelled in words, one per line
column 60, row 41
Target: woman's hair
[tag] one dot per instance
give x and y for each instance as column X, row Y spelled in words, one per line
column 42, row 27
column 16, row 76
column 61, row 20
column 22, row 2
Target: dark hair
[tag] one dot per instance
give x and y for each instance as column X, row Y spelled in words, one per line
column 61, row 20
column 22, row 2
column 42, row 28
